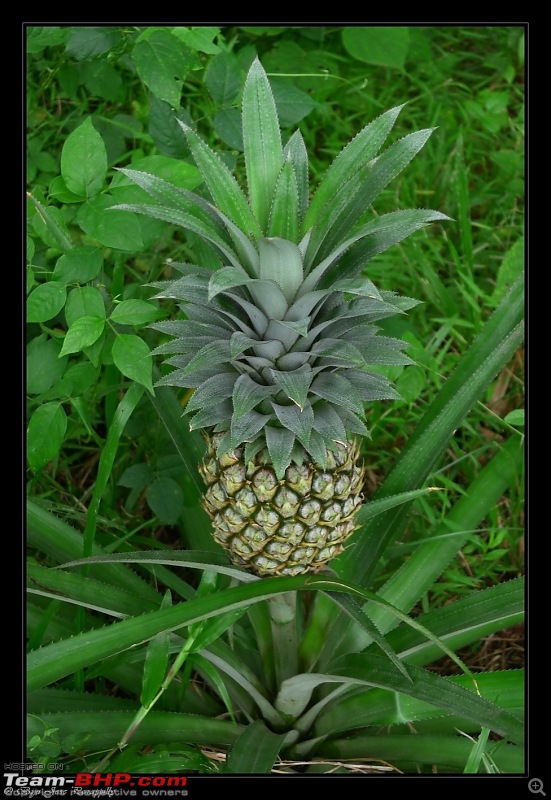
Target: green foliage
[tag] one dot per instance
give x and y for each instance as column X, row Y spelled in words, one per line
column 226, row 660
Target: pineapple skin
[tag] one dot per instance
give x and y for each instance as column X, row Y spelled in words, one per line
column 287, row 527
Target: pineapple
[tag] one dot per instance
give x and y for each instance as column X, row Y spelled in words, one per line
column 278, row 340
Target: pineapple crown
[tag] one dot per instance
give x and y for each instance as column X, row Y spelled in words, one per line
column 278, row 340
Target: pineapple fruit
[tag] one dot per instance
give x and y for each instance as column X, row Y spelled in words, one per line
column 278, row 340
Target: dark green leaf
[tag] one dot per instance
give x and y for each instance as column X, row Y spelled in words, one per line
column 256, row 750
column 294, row 383
column 165, row 498
column 337, row 390
column 114, row 229
column 328, row 423
column 224, row 78
column 45, row 434
column 162, row 63
column 44, row 367
column 247, row 394
column 292, row 103
column 280, row 443
column 247, row 427
column 217, row 388
column 300, row 421
column 387, row 47
column 89, row 42
column 228, row 126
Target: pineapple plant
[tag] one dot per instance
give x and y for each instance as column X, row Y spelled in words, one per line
column 279, row 340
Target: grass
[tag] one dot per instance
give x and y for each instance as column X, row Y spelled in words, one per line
column 101, row 456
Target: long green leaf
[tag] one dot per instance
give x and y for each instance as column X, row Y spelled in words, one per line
column 61, row 542
column 429, row 687
column 409, row 752
column 490, row 352
column 223, row 187
column 363, row 147
column 376, row 707
column 413, row 578
column 255, row 751
column 261, row 141
column 96, row 595
column 100, row 731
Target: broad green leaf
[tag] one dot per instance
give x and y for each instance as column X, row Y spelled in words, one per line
column 162, row 63
column 46, row 301
column 174, row 171
column 80, row 265
column 515, row 418
column 291, row 102
column 84, row 160
column 280, row 443
column 262, row 142
column 84, row 301
column 228, row 127
column 132, row 356
column 134, row 312
column 59, row 191
column 224, row 78
column 164, row 128
column 387, row 47
column 165, row 498
column 82, row 333
column 256, row 750
column 88, row 42
column 39, row 37
column 114, row 229
column 199, row 38
column 45, row 434
column 138, row 476
column 44, row 367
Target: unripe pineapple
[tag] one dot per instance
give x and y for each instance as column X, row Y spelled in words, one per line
column 278, row 341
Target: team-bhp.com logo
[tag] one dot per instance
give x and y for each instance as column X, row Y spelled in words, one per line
column 87, row 784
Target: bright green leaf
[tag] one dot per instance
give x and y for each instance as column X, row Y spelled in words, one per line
column 46, row 301
column 84, row 160
column 82, row 333
column 80, row 265
column 131, row 356
column 134, row 312
column 84, row 301
column 162, row 63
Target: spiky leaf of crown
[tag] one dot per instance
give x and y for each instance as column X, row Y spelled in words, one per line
column 279, row 342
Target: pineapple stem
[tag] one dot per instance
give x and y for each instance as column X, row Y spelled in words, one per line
column 283, row 616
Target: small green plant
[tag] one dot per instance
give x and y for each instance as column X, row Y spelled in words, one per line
column 149, row 648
